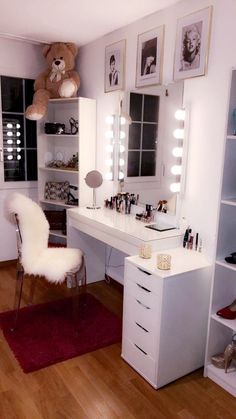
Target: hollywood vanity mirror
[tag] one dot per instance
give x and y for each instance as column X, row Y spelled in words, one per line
column 149, row 143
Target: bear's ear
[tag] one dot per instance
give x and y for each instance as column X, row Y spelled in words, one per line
column 45, row 50
column 72, row 47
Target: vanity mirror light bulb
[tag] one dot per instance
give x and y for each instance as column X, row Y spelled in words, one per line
column 9, row 133
column 121, row 175
column 109, row 119
column 18, row 134
column 121, row 162
column 10, row 157
column 122, row 135
column 9, row 141
column 109, row 162
column 176, row 169
column 17, row 141
column 108, row 176
column 18, row 149
column 179, row 133
column 175, row 187
column 109, row 148
column 109, row 134
column 122, row 120
column 9, row 125
column 180, row 115
column 122, row 148
column 10, row 149
column 17, row 126
column 18, row 157
column 177, row 151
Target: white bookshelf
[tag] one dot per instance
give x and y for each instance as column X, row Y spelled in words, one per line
column 63, row 147
column 223, row 290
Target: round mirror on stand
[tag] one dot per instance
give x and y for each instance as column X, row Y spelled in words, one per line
column 93, row 179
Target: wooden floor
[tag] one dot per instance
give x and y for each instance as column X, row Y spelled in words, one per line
column 99, row 384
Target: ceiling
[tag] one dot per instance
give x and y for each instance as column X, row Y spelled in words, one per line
column 79, row 21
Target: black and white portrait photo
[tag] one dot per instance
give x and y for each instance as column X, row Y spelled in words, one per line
column 192, row 41
column 191, row 47
column 114, row 66
column 149, row 57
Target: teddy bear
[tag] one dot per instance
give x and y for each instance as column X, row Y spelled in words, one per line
column 59, row 80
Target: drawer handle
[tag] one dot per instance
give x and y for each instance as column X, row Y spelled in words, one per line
column 141, row 327
column 143, row 305
column 141, row 350
column 143, row 288
column 145, row 272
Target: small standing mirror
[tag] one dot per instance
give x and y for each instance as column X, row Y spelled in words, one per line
column 93, row 179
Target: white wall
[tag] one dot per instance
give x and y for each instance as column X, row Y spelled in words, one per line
column 24, row 60
column 206, row 96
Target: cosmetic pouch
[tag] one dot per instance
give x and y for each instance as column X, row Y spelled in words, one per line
column 57, row 191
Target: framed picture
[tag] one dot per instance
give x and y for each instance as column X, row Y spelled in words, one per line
column 115, row 66
column 192, row 44
column 149, row 57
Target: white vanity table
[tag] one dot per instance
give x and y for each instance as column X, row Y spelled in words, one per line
column 91, row 230
column 165, row 312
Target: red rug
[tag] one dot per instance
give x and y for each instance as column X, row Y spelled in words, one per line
column 46, row 332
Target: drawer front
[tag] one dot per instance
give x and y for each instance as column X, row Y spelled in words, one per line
column 140, row 311
column 140, row 361
column 143, row 294
column 144, row 338
column 144, row 278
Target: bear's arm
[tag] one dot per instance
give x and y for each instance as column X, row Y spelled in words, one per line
column 40, row 82
column 75, row 76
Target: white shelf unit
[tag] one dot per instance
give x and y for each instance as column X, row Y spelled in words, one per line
column 64, row 146
column 223, row 290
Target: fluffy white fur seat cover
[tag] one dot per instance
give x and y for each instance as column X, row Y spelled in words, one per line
column 37, row 258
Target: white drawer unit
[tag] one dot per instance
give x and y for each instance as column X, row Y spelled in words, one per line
column 165, row 315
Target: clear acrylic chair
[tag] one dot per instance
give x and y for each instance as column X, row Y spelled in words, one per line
column 56, row 265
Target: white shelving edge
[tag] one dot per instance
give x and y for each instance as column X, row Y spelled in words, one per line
column 57, row 203
column 226, row 265
column 62, row 135
column 51, row 169
column 57, row 233
column 231, row 324
column 231, row 137
column 225, row 380
column 229, row 201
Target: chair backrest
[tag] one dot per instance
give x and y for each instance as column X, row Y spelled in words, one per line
column 33, row 225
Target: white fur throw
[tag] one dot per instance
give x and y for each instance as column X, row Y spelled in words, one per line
column 37, row 258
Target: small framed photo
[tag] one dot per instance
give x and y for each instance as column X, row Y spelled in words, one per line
column 192, row 44
column 115, row 66
column 149, row 57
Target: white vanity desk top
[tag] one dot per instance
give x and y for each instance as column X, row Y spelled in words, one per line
column 121, row 231
column 182, row 260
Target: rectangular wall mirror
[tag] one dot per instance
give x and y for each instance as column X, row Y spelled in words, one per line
column 149, row 141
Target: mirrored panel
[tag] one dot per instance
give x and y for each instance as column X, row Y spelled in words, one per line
column 150, row 142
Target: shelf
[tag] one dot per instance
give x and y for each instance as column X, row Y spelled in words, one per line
column 64, row 100
column 231, row 324
column 62, row 135
column 226, row 265
column 51, row 169
column 227, row 381
column 231, row 137
column 229, row 201
column 58, row 203
column 57, row 233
